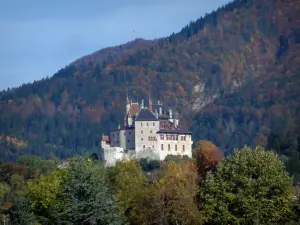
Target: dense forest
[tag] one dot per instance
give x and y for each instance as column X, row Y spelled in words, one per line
column 233, row 76
column 251, row 186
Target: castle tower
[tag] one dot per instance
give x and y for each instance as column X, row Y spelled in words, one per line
column 127, row 105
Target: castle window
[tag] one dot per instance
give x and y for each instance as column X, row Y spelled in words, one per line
column 169, row 147
column 151, row 131
column 162, row 137
column 152, row 146
column 173, row 137
column 141, row 131
column 162, row 147
column 142, row 139
column 183, row 148
column 143, row 146
column 129, row 133
column 151, row 138
column 141, row 124
column 175, row 147
column 176, row 137
column 147, row 124
column 153, row 124
column 124, row 133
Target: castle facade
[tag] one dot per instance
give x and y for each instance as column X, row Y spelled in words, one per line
column 151, row 132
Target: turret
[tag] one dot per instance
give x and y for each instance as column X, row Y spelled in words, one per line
column 125, row 124
column 160, row 111
column 127, row 105
column 150, row 104
column 142, row 105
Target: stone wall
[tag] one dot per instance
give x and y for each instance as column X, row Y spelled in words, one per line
column 130, row 138
column 112, row 155
column 123, row 138
column 145, row 135
column 149, row 153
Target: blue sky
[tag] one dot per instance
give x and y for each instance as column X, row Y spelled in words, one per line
column 38, row 37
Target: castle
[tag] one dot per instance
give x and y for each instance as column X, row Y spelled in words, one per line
column 151, row 132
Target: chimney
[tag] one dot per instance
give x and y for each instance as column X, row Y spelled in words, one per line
column 170, row 113
column 156, row 114
column 160, row 111
column 158, row 102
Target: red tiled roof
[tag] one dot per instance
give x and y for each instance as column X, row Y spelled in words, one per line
column 134, row 109
column 105, row 138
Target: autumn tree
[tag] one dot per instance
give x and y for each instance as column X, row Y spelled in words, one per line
column 208, row 155
column 249, row 187
column 170, row 200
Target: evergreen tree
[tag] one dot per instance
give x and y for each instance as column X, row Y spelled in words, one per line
column 88, row 198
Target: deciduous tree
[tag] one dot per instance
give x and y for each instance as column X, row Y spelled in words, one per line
column 207, row 157
column 249, row 187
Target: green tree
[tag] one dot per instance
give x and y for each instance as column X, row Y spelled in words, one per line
column 18, row 186
column 127, row 180
column 4, row 188
column 21, row 213
column 87, row 195
column 43, row 195
column 249, row 187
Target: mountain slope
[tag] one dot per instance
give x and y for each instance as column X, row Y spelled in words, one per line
column 245, row 45
column 112, row 54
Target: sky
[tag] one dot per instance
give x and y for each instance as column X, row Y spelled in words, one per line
column 39, row 37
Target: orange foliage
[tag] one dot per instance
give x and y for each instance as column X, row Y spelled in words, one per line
column 208, row 156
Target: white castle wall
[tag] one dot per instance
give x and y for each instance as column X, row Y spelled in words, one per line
column 112, row 155
column 149, row 153
column 143, row 131
column 187, row 150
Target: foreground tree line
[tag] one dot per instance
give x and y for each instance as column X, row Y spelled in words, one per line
column 249, row 187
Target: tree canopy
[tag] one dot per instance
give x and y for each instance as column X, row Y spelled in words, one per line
column 248, row 187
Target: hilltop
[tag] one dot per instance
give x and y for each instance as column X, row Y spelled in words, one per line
column 232, row 75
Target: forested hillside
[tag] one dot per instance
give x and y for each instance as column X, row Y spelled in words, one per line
column 232, row 75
